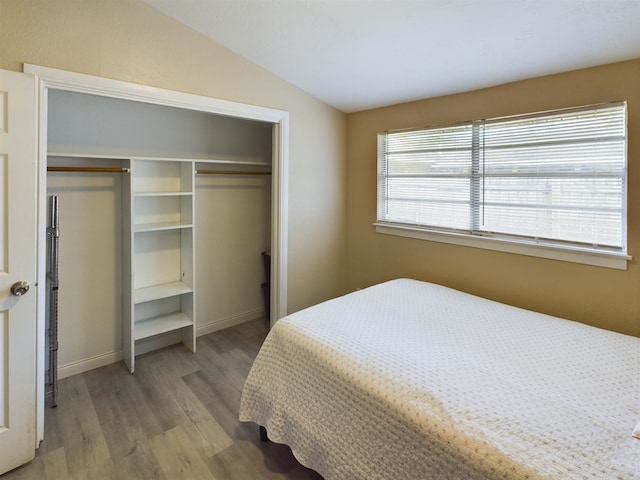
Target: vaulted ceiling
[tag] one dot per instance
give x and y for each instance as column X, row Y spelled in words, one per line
column 361, row 54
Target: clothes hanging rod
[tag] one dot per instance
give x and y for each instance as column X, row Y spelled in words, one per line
column 127, row 170
column 229, row 172
column 89, row 169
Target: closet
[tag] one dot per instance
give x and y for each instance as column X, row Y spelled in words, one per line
column 164, row 215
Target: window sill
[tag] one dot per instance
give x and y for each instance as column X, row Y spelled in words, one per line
column 576, row 255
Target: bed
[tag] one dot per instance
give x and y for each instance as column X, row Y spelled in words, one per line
column 412, row 380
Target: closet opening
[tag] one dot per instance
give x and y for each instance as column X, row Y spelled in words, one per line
column 164, row 216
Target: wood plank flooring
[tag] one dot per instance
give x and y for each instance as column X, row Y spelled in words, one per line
column 175, row 418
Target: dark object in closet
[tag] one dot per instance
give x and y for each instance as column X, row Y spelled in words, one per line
column 266, row 287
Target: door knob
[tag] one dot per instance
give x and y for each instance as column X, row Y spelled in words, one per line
column 19, row 288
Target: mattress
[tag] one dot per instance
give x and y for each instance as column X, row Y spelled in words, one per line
column 412, row 380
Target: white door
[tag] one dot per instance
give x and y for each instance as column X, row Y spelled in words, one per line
column 17, row 264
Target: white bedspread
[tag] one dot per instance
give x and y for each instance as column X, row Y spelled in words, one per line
column 410, row 380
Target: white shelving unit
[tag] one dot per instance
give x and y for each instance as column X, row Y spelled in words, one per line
column 160, row 252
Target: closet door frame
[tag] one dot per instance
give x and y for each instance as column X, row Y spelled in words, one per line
column 50, row 78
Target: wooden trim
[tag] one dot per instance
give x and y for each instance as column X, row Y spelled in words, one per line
column 47, row 78
column 88, row 169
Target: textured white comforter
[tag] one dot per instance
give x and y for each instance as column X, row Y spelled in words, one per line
column 410, row 380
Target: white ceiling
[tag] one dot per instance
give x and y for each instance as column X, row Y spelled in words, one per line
column 361, row 54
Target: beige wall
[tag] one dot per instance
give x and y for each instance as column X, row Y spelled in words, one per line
column 128, row 40
column 599, row 296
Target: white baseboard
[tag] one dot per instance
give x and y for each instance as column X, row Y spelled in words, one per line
column 150, row 344
column 204, row 329
column 86, row 364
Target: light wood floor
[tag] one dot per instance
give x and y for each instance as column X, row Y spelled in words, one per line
column 175, row 418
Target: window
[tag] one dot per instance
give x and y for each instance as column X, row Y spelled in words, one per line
column 554, row 179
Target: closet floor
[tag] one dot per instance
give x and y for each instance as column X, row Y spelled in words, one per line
column 176, row 417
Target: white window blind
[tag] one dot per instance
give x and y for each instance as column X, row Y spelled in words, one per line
column 554, row 178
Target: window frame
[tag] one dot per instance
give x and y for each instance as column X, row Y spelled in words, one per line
column 616, row 258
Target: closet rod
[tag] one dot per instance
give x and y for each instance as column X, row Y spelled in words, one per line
column 89, row 169
column 230, row 172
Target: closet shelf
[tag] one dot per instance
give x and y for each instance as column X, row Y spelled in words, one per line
column 223, row 161
column 230, row 172
column 157, row 227
column 162, row 194
column 84, row 154
column 65, row 152
column 156, row 292
column 161, row 324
